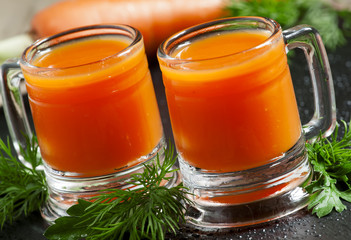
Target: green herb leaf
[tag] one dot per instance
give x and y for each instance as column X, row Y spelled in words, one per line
column 289, row 13
column 148, row 210
column 22, row 189
column 331, row 161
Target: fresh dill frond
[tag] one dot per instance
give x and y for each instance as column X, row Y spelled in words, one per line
column 331, row 161
column 22, row 189
column 146, row 211
column 149, row 209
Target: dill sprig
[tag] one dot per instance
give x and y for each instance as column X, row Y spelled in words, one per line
column 146, row 211
column 331, row 161
column 22, row 189
column 289, row 13
column 149, row 209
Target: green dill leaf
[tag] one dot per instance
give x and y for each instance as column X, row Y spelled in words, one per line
column 22, row 189
column 146, row 211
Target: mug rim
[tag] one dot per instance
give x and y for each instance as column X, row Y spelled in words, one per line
column 135, row 33
column 163, row 50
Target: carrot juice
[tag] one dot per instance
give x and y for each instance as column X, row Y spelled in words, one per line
column 232, row 104
column 93, row 105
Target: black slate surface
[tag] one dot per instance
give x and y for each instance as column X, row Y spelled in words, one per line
column 300, row 225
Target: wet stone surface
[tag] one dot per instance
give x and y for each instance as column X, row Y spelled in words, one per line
column 300, row 225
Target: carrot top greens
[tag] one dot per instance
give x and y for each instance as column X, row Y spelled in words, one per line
column 333, row 25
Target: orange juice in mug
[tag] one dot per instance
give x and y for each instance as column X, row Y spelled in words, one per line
column 94, row 110
column 99, row 112
column 235, row 119
column 243, row 115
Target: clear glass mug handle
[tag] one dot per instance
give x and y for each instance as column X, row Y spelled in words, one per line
column 309, row 40
column 15, row 113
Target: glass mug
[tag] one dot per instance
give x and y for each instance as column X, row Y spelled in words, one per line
column 235, row 120
column 94, row 110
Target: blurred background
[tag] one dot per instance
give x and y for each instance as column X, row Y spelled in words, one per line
column 16, row 15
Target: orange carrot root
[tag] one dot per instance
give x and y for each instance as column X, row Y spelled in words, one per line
column 155, row 19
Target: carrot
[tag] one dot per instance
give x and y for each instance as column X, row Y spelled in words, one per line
column 156, row 19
